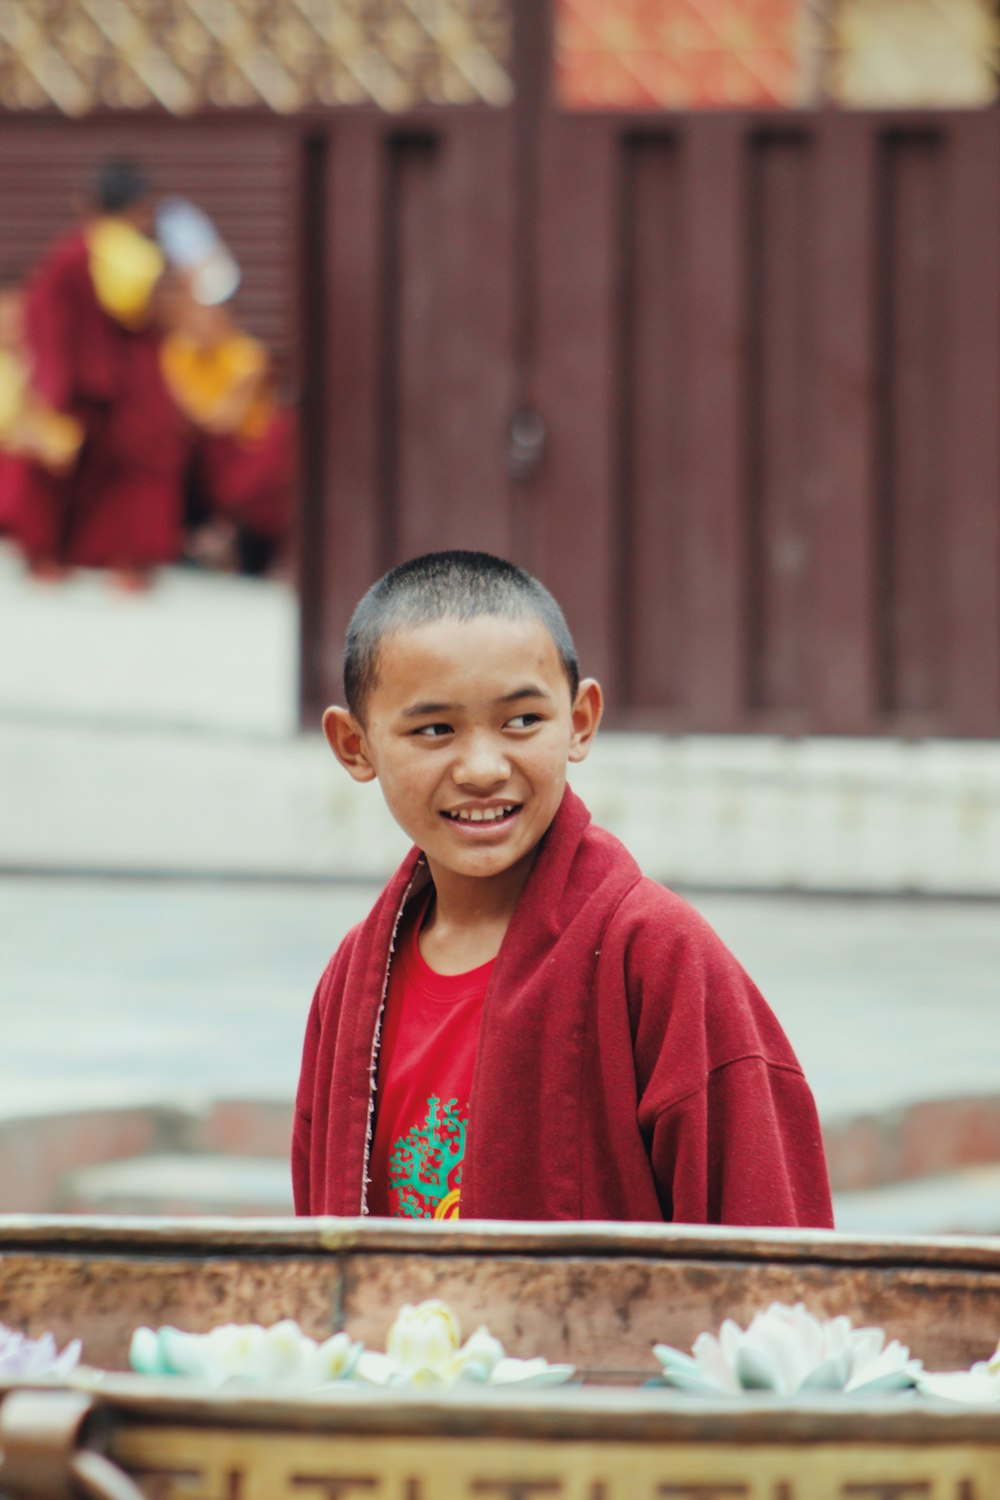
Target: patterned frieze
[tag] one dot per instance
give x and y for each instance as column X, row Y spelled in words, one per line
column 285, row 55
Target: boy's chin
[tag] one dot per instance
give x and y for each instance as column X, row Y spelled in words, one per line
column 478, row 864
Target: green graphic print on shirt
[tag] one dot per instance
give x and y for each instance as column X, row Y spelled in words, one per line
column 425, row 1166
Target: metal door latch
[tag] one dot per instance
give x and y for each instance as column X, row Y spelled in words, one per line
column 526, row 440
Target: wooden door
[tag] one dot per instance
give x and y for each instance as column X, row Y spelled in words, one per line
column 410, row 349
column 768, row 362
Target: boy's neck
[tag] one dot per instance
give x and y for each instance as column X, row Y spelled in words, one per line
column 469, row 917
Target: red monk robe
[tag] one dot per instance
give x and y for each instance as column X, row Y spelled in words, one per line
column 121, row 505
column 31, row 432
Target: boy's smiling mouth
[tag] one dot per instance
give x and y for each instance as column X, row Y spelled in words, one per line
column 491, row 815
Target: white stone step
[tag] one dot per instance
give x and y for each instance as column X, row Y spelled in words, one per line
column 966, row 1202
column 182, row 1185
column 198, row 651
column 157, row 733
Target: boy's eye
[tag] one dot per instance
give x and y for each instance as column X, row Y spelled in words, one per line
column 432, row 731
column 524, row 721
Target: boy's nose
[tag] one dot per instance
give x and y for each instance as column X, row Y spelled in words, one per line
column 481, row 763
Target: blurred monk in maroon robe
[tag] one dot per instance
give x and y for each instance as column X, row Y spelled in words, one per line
column 95, row 351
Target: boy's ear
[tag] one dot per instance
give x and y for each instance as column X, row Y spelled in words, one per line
column 588, row 706
column 346, row 739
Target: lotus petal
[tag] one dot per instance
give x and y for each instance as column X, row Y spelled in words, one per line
column 675, row 1359
column 882, row 1385
column 24, row 1358
column 975, row 1387
column 471, row 1372
column 866, row 1345
column 337, row 1358
column 756, row 1372
column 830, row 1375
column 66, row 1361
column 711, row 1358
column 181, row 1353
column 892, row 1369
column 531, row 1372
column 482, row 1350
column 375, row 1368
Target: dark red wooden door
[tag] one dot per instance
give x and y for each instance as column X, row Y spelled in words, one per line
column 412, row 356
column 768, row 360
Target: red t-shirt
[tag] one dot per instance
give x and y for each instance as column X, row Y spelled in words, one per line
column 430, row 1031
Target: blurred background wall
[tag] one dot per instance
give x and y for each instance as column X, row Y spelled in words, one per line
column 694, row 308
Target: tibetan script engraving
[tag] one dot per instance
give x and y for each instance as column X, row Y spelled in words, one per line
column 192, row 1464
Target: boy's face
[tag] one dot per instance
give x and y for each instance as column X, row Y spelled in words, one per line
column 469, row 730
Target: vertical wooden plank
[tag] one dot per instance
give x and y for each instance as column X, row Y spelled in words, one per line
column 841, row 473
column 652, row 593
column 714, row 649
column 448, row 316
column 352, row 548
column 777, row 398
column 412, row 468
column 310, row 533
column 971, row 418
column 913, row 529
column 571, row 523
column 533, row 63
column 475, row 345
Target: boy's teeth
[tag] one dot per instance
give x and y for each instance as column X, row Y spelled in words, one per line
column 481, row 814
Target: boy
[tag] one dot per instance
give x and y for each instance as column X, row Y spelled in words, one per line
column 525, row 1027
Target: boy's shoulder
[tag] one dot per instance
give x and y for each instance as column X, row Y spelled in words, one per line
column 588, row 879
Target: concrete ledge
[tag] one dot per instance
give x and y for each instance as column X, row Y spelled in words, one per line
column 926, row 1139
column 862, row 816
column 41, row 1154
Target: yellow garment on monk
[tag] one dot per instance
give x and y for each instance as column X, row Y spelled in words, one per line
column 28, row 426
column 13, row 384
column 125, row 267
column 205, row 379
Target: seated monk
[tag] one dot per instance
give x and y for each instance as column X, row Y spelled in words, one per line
column 221, row 379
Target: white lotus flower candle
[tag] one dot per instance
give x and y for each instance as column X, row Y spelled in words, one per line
column 789, row 1352
column 246, row 1354
column 978, row 1386
column 22, row 1358
column 424, row 1349
column 424, row 1338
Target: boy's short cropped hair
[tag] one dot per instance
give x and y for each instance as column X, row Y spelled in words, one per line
column 446, row 585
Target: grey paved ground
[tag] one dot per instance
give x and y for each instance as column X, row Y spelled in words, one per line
column 161, row 991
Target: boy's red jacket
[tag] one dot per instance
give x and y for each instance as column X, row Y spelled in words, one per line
column 627, row 1066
